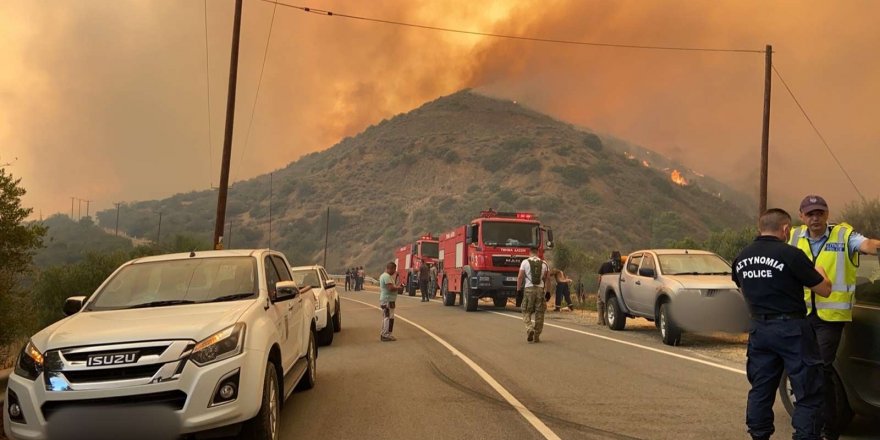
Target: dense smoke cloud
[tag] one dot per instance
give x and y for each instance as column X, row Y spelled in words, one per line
column 107, row 101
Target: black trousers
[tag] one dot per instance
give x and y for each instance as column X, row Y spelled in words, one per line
column 790, row 345
column 828, row 336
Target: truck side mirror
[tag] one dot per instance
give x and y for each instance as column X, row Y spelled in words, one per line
column 414, row 250
column 549, row 239
column 469, row 234
column 73, row 305
column 285, row 290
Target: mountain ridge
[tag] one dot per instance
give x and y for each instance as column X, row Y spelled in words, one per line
column 438, row 166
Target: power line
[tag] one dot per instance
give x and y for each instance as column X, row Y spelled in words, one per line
column 208, row 90
column 822, row 138
column 511, row 37
column 247, row 137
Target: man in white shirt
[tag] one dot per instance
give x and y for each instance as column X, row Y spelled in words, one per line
column 532, row 276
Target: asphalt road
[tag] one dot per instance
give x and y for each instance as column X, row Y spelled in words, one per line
column 589, row 383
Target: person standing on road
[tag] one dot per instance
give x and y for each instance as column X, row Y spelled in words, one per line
column 772, row 275
column 614, row 265
column 836, row 249
column 388, row 291
column 563, row 289
column 347, row 280
column 532, row 277
column 424, row 278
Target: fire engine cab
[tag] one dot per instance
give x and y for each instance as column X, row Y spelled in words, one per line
column 481, row 259
column 410, row 258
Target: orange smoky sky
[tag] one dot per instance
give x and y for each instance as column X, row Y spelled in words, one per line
column 108, row 100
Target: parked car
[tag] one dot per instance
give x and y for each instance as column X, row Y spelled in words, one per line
column 857, row 367
column 328, row 311
column 208, row 342
column 677, row 289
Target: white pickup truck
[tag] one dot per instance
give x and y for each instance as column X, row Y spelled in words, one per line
column 202, row 342
column 676, row 289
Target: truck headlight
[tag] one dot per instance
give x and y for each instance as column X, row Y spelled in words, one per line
column 221, row 345
column 30, row 362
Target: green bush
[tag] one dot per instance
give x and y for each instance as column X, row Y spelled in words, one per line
column 573, row 175
column 593, row 142
column 528, row 166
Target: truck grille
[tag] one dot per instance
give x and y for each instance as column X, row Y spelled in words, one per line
column 115, row 365
column 507, row 260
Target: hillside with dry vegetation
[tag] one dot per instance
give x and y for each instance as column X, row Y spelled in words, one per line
column 436, row 167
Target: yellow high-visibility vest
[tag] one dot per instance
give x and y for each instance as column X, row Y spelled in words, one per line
column 840, row 263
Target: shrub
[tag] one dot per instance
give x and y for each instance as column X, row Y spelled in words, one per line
column 593, row 142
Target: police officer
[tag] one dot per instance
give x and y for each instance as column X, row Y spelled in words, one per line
column 836, row 249
column 772, row 275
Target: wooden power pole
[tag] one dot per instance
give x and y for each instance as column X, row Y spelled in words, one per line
column 227, row 137
column 765, row 132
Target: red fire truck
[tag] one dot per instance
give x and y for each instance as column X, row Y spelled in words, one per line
column 410, row 258
column 481, row 259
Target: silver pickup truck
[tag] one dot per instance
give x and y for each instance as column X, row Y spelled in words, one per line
column 677, row 289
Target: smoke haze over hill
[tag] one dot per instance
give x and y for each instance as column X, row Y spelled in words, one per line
column 101, row 98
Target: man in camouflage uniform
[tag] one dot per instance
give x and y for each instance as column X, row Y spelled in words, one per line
column 532, row 277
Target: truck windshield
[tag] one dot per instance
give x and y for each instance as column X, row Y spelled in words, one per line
column 510, row 234
column 693, row 264
column 164, row 283
column 430, row 249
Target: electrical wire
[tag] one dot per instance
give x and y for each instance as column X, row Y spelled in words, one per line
column 822, row 138
column 259, row 83
column 510, row 37
column 208, row 93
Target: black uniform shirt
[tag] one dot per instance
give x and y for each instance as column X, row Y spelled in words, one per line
column 772, row 276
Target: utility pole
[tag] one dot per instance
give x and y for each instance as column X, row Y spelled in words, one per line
column 87, row 206
column 227, row 138
column 270, row 210
column 229, row 237
column 159, row 233
column 79, row 208
column 117, row 217
column 71, row 207
column 765, row 133
column 326, row 236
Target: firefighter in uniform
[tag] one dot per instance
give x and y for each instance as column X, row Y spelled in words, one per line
column 772, row 275
column 836, row 249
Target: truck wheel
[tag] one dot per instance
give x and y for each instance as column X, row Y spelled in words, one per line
column 500, row 301
column 311, row 375
column 467, row 301
column 325, row 336
column 448, row 298
column 613, row 316
column 668, row 330
column 337, row 318
column 265, row 425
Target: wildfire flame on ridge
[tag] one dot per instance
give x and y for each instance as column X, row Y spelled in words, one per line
column 678, row 179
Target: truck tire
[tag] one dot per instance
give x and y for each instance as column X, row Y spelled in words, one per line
column 325, row 336
column 311, row 375
column 337, row 318
column 448, row 297
column 500, row 301
column 467, row 301
column 615, row 319
column 266, row 424
column 670, row 332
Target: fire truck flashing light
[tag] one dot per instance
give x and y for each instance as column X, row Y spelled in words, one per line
column 517, row 215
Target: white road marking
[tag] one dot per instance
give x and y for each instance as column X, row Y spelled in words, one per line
column 632, row 344
column 519, row 407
